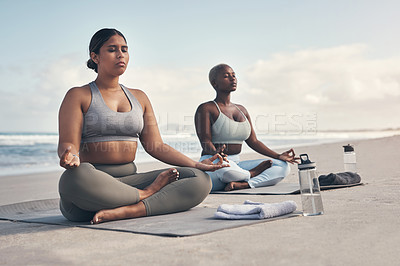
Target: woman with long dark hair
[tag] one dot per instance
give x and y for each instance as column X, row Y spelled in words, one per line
column 99, row 126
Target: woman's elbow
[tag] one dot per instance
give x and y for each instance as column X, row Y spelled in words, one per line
column 252, row 143
column 153, row 148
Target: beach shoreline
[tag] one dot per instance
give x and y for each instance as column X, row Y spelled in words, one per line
column 50, row 177
column 16, row 149
column 359, row 226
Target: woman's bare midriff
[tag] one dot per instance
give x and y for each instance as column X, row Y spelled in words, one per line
column 109, row 152
column 230, row 149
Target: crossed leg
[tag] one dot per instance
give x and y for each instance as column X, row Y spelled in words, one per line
column 253, row 172
column 137, row 210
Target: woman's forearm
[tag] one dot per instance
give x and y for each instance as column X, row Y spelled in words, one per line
column 260, row 147
column 169, row 155
column 63, row 146
column 208, row 147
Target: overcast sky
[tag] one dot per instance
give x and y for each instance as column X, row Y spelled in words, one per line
column 337, row 62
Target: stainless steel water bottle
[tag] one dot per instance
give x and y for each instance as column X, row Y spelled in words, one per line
column 309, row 187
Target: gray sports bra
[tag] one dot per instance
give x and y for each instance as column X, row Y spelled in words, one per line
column 100, row 123
column 228, row 131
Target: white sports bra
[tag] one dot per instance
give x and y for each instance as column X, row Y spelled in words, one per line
column 228, row 131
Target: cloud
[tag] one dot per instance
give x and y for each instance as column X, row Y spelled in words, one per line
column 174, row 93
column 55, row 79
column 338, row 83
column 341, row 85
column 31, row 102
column 325, row 76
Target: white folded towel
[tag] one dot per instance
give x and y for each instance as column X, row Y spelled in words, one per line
column 254, row 210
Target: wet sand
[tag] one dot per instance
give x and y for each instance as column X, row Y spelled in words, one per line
column 360, row 225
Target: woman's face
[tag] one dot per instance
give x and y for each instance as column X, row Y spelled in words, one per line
column 226, row 80
column 113, row 56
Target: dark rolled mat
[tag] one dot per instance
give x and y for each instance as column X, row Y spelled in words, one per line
column 345, row 178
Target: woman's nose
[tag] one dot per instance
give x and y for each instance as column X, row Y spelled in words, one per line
column 120, row 54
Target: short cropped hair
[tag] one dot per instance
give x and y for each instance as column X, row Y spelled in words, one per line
column 214, row 72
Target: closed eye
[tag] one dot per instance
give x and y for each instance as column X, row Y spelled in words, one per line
column 113, row 48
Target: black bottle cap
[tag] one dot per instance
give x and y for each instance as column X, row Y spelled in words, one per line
column 348, row 148
column 305, row 162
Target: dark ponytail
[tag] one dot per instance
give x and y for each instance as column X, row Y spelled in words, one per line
column 97, row 41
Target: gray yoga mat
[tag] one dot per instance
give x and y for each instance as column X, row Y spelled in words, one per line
column 340, row 186
column 198, row 220
column 278, row 189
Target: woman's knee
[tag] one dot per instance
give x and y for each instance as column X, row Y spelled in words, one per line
column 71, row 178
column 282, row 167
column 199, row 183
column 73, row 213
column 186, row 193
column 202, row 180
column 285, row 169
column 235, row 175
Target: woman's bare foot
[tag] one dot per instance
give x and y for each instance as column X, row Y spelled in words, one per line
column 138, row 209
column 260, row 168
column 163, row 179
column 236, row 185
column 106, row 215
column 125, row 212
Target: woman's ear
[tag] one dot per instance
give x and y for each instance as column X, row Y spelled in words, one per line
column 214, row 84
column 94, row 57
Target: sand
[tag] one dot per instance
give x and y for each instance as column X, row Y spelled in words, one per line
column 360, row 225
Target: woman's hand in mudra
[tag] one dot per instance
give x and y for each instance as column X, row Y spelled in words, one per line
column 288, row 156
column 208, row 165
column 69, row 160
column 220, row 151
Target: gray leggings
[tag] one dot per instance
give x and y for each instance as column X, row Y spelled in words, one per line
column 89, row 188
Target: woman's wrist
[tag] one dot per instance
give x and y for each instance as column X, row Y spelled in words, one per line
column 196, row 164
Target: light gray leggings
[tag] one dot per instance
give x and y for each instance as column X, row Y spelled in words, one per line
column 89, row 188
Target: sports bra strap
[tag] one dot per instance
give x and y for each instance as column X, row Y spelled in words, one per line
column 235, row 106
column 240, row 111
column 217, row 106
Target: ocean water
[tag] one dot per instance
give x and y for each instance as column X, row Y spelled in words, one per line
column 25, row 153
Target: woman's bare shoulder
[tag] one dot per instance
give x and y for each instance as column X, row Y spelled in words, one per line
column 140, row 95
column 79, row 91
column 78, row 96
column 207, row 109
column 206, row 106
column 137, row 92
column 142, row 98
column 242, row 108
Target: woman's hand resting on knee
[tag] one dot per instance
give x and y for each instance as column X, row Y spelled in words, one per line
column 69, row 160
column 208, row 165
column 288, row 156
